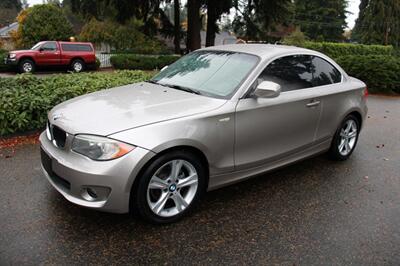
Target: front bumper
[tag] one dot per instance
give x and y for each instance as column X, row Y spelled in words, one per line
column 73, row 174
column 11, row 62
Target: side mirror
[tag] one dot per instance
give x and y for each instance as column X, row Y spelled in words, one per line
column 268, row 89
column 41, row 49
column 164, row 68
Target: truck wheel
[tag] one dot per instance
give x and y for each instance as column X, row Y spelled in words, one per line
column 26, row 66
column 77, row 65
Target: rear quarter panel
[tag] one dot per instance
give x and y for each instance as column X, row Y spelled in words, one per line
column 339, row 100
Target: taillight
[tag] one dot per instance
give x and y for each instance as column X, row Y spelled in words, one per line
column 366, row 93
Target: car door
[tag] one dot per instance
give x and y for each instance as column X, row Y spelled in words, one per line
column 269, row 129
column 49, row 54
column 328, row 84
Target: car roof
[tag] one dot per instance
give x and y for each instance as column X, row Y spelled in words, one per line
column 261, row 50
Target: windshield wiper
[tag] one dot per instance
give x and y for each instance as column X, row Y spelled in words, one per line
column 181, row 88
column 177, row 87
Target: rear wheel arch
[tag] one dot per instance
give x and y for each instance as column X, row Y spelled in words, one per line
column 76, row 58
column 358, row 116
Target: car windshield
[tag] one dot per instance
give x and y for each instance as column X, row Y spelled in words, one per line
column 211, row 73
column 36, row 46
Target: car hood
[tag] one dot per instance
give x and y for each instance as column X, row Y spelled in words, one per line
column 110, row 111
column 21, row 51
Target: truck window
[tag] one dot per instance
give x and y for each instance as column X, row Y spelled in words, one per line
column 49, row 46
column 69, row 47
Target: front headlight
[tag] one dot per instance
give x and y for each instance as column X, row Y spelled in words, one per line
column 12, row 56
column 100, row 148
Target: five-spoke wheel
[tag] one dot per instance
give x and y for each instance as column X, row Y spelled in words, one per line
column 345, row 138
column 170, row 187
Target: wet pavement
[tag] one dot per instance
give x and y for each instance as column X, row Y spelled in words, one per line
column 315, row 212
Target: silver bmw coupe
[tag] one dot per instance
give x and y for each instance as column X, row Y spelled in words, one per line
column 214, row 117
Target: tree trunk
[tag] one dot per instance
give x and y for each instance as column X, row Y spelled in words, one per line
column 194, row 25
column 211, row 23
column 177, row 27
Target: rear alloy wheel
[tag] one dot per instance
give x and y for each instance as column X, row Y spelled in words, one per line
column 170, row 187
column 77, row 65
column 26, row 66
column 345, row 139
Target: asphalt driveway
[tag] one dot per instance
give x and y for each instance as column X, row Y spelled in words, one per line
column 315, row 212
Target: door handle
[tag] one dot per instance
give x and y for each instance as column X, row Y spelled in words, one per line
column 313, row 103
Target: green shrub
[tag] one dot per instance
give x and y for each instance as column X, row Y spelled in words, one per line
column 379, row 72
column 123, row 38
column 26, row 99
column 3, row 67
column 336, row 50
column 97, row 64
column 142, row 62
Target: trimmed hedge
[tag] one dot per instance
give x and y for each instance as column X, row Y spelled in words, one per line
column 381, row 73
column 142, row 62
column 26, row 99
column 336, row 50
column 3, row 54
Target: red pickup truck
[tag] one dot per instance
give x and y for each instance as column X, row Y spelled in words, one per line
column 76, row 55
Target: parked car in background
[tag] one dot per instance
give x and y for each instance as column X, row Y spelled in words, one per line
column 74, row 55
column 214, row 117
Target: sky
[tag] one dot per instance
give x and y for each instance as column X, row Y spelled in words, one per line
column 352, row 7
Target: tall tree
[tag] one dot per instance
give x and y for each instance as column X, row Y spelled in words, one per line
column 378, row 22
column 177, row 27
column 194, row 25
column 120, row 10
column 254, row 18
column 9, row 10
column 321, row 19
column 214, row 11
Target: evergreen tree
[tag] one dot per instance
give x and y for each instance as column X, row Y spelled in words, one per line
column 378, row 22
column 9, row 10
column 254, row 18
column 323, row 20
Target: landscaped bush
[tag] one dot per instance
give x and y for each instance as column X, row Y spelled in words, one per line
column 3, row 67
column 336, row 50
column 381, row 73
column 26, row 99
column 142, row 62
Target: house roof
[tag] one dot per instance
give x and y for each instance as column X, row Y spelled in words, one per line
column 5, row 31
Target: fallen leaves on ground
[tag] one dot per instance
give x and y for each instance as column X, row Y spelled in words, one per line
column 9, row 145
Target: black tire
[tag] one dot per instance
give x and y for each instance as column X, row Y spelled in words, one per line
column 139, row 194
column 26, row 66
column 334, row 152
column 77, row 65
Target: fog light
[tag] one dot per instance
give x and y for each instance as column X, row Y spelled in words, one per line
column 91, row 192
column 95, row 193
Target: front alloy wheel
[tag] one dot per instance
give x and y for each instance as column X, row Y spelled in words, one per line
column 169, row 187
column 172, row 188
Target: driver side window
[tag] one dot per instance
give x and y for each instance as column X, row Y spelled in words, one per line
column 291, row 72
column 49, row 46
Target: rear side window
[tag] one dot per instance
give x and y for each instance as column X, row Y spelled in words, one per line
column 325, row 73
column 69, row 47
column 291, row 72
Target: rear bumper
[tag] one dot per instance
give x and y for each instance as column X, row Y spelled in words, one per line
column 72, row 175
